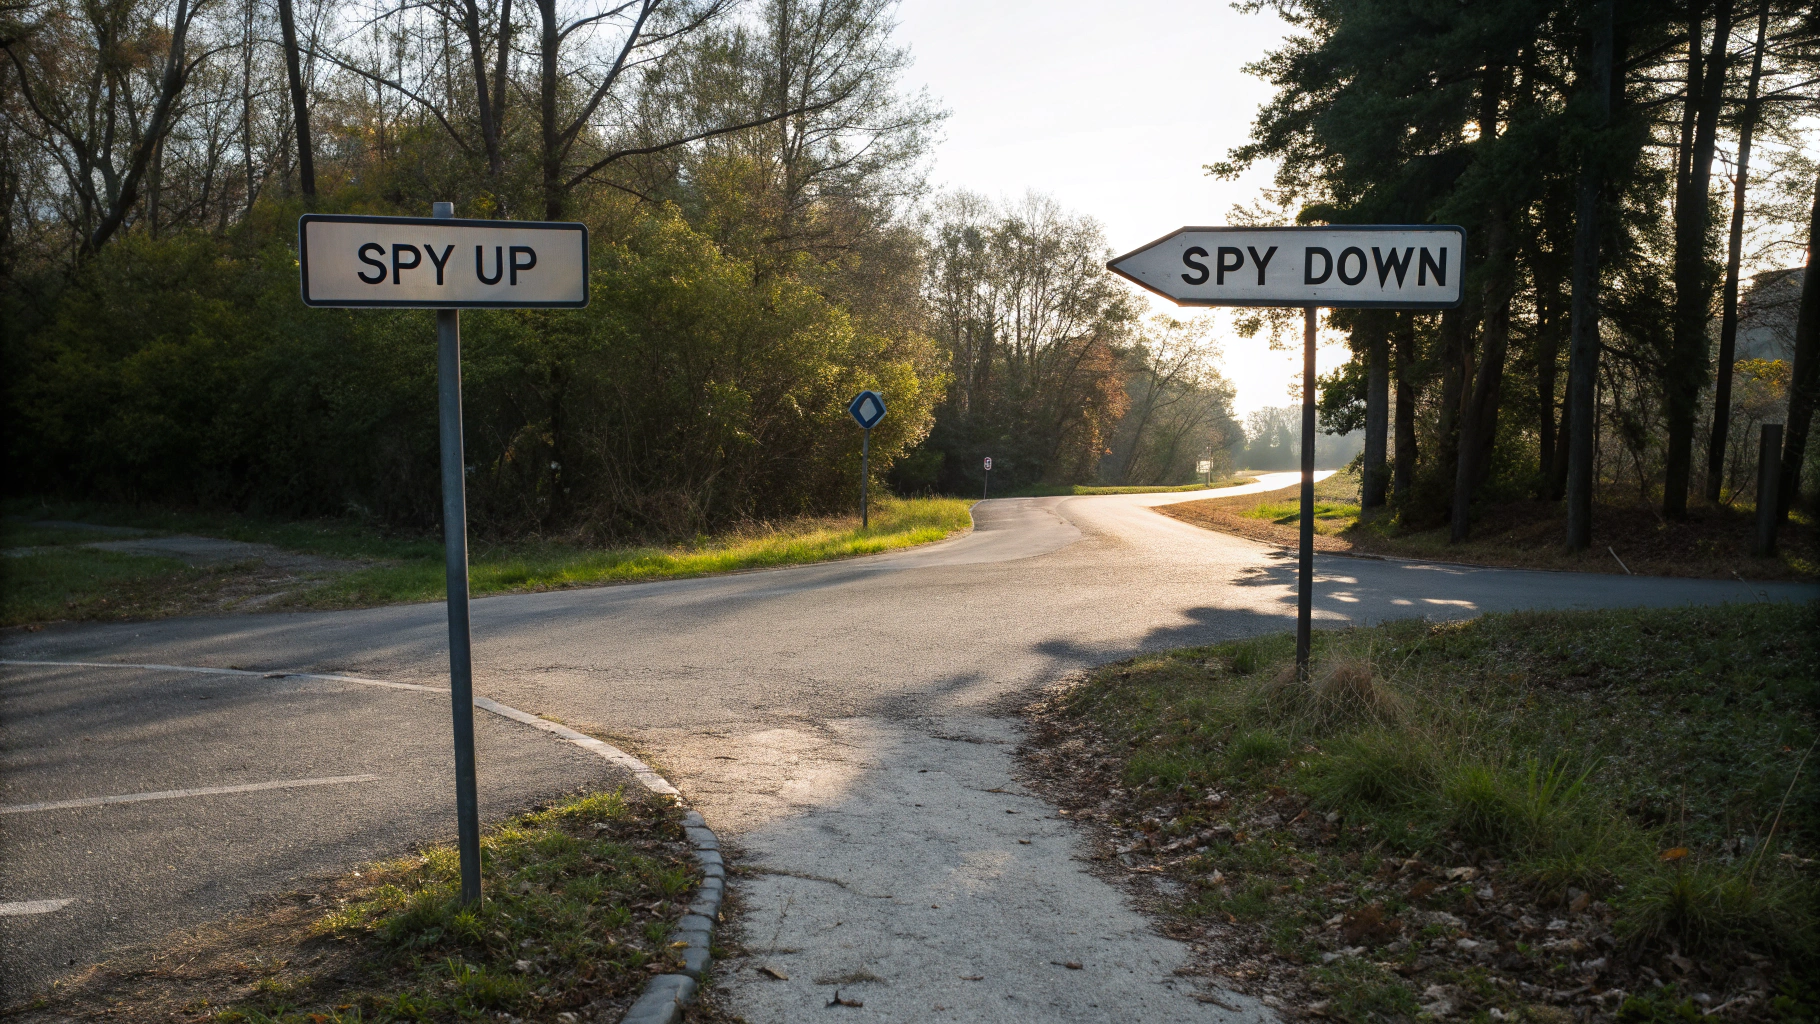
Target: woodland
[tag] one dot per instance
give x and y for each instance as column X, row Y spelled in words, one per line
column 764, row 245
column 1638, row 184
column 1637, row 179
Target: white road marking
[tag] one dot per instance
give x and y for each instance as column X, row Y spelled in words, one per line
column 26, row 907
column 362, row 680
column 172, row 794
column 641, row 771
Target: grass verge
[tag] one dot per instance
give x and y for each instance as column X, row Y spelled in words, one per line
column 1712, row 543
column 580, row 901
column 1544, row 816
column 338, row 564
column 896, row 523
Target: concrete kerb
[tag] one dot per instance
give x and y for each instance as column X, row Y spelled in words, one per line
column 665, row 995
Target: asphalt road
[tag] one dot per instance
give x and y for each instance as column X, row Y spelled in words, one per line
column 805, row 710
column 344, row 772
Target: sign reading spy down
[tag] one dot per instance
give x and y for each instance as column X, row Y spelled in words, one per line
column 1405, row 267
column 442, row 262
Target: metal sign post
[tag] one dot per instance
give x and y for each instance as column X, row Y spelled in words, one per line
column 1383, row 266
column 986, row 491
column 381, row 262
column 867, row 408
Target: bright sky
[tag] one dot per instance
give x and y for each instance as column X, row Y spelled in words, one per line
column 1113, row 109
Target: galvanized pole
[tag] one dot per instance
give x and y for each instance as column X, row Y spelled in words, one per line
column 986, row 489
column 865, row 479
column 1304, row 599
column 455, row 554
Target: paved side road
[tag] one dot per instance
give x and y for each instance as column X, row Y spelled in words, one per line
column 236, row 787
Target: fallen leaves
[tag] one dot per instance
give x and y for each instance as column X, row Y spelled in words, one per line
column 839, row 1001
column 773, row 973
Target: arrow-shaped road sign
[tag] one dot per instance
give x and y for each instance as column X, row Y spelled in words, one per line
column 1398, row 266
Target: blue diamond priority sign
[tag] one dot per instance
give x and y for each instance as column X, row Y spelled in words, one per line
column 867, row 408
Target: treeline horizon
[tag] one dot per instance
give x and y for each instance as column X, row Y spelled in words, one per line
column 764, row 246
column 1618, row 165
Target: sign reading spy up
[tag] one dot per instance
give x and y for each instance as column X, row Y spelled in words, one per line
column 447, row 264
column 1405, row 267
column 442, row 263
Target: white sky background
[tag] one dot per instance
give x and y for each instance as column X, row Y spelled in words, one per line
column 1112, row 108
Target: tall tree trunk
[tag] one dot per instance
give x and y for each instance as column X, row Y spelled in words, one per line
column 170, row 86
column 1804, row 387
column 1403, row 476
column 1479, row 421
column 1557, row 478
column 1583, row 325
column 1479, row 415
column 483, row 99
column 300, row 105
column 1728, row 319
column 551, row 141
column 1548, row 322
column 246, row 107
column 154, row 188
column 1453, row 375
column 1687, row 368
column 1375, row 479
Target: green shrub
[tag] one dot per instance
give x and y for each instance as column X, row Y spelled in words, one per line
column 692, row 393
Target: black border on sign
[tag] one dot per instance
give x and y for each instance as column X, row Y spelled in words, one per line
column 1324, row 304
column 303, row 261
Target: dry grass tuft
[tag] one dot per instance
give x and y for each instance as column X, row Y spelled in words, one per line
column 1346, row 690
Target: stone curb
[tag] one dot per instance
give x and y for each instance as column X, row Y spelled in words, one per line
column 666, row 994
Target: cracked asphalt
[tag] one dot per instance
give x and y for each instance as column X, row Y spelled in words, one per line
column 846, row 726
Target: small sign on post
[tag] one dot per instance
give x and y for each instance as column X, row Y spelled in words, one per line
column 867, row 408
column 1353, row 266
column 986, row 491
column 446, row 264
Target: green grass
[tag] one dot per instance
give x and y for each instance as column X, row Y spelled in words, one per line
column 1329, row 516
column 896, row 523
column 73, row 582
column 79, row 583
column 1564, row 751
column 1055, row 490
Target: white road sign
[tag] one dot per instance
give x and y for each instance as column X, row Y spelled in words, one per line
column 1406, row 267
column 442, row 263
column 1203, row 466
column 988, row 463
